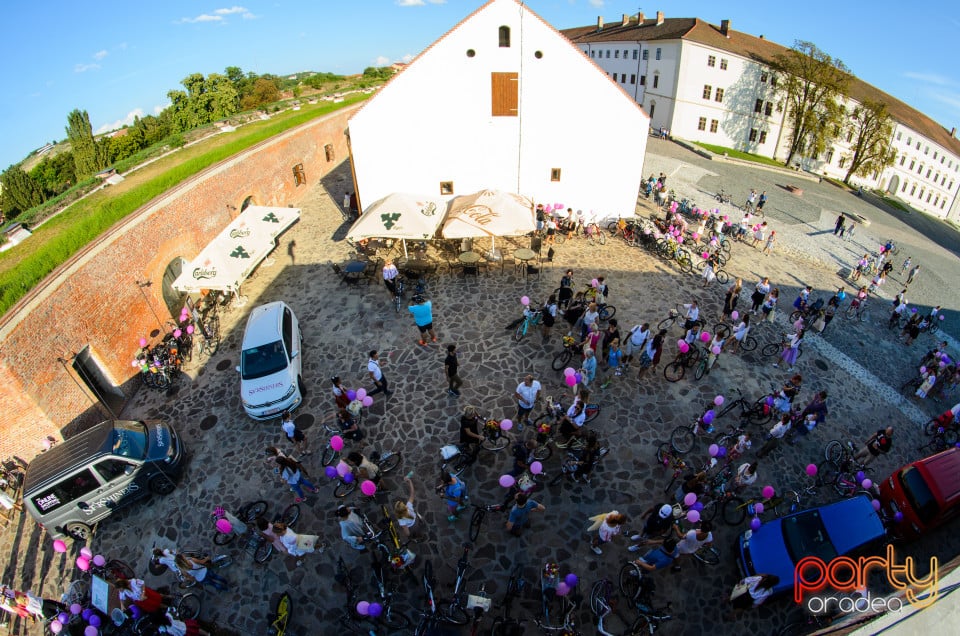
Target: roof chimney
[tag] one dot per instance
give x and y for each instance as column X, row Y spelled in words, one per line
column 626, row 20
column 725, row 27
column 761, row 36
column 953, row 131
column 641, row 18
column 659, row 18
column 599, row 23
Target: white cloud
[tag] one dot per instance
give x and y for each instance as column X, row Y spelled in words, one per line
column 410, row 3
column 382, row 60
column 231, row 10
column 948, row 98
column 83, row 68
column 120, row 123
column 929, row 78
column 596, row 4
column 218, row 15
column 203, row 17
column 99, row 55
column 406, row 59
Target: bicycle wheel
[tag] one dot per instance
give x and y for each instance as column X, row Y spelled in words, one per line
column 115, row 569
column 612, row 228
column 708, row 555
column 749, row 343
column 521, row 331
column 476, row 521
column 734, row 511
column 692, row 356
column 630, row 576
column 665, row 453
column 931, row 426
column 456, row 615
column 827, row 473
column 682, row 440
column 496, row 442
column 188, row 607
column 598, row 597
column 789, row 501
column 543, row 452
column 223, row 538
column 771, row 349
column 674, row 371
column 607, row 312
column 343, row 489
column 561, row 360
column 710, row 510
column 666, row 323
column 722, row 277
column 684, row 261
column 290, row 515
column 701, row 368
column 862, row 313
column 833, row 451
column 559, row 237
column 459, row 464
column 601, row 237
column 329, row 456
column 796, row 315
column 395, row 620
column 592, row 409
column 949, row 437
column 760, row 413
column 721, row 329
column 389, row 461
column 263, row 551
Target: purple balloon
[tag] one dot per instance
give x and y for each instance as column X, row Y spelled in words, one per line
column 571, row 580
column 135, row 612
column 86, row 614
column 876, row 504
column 375, row 609
column 330, row 472
column 351, row 395
column 698, row 506
column 348, row 478
column 755, row 524
column 76, row 608
column 90, row 630
column 94, row 620
column 770, row 401
column 708, row 417
column 722, row 451
column 578, row 377
column 898, row 516
column 861, row 475
column 63, row 617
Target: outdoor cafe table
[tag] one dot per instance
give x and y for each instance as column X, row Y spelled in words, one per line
column 524, row 254
column 418, row 267
column 469, row 258
column 355, row 267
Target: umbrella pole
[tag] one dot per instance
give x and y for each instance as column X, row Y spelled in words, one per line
column 404, row 241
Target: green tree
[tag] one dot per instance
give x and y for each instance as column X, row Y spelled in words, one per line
column 264, row 91
column 205, row 100
column 812, row 83
column 872, row 128
column 20, row 191
column 126, row 144
column 55, row 173
column 88, row 157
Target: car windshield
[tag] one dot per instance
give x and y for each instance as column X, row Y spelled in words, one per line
column 805, row 535
column 918, row 493
column 130, row 440
column 259, row 362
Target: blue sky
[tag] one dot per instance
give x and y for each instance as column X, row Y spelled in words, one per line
column 118, row 60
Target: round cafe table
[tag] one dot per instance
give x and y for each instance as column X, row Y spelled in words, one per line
column 469, row 258
column 355, row 267
column 524, row 254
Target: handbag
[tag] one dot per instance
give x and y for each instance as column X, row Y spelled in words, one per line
column 741, row 588
column 307, row 542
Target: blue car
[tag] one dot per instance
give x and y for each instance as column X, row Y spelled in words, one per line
column 827, row 532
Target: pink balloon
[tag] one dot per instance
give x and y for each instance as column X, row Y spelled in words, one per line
column 570, row 380
column 507, row 481
column 941, row 317
column 812, row 470
column 680, row 240
column 524, row 300
column 923, row 369
column 690, row 498
column 683, row 346
column 713, row 450
column 361, row 393
column 368, row 488
column 90, row 630
column 867, row 484
column 143, row 342
column 190, row 329
column 367, row 401
column 562, row 588
column 224, row 526
column 506, row 425
column 56, row 626
column 693, row 516
column 705, row 337
column 86, row 552
column 177, row 333
column 758, row 508
column 83, row 563
column 536, row 468
column 343, row 468
column 99, row 560
column 680, row 343
column 718, row 401
column 735, row 315
column 569, row 371
column 363, row 607
column 594, row 283
column 59, row 546
column 695, row 236
column 768, row 492
column 715, row 350
column 336, row 443
column 705, row 255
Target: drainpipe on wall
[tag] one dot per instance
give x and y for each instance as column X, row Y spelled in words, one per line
column 636, row 87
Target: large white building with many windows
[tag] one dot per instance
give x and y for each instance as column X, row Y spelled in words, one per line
column 711, row 84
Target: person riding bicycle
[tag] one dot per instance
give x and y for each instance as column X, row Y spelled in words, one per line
column 566, row 289
column 800, row 304
column 470, row 435
column 198, row 570
column 349, row 428
column 523, row 456
column 352, row 529
column 363, row 468
column 787, row 393
column 573, row 420
column 587, row 458
column 692, row 315
column 390, row 273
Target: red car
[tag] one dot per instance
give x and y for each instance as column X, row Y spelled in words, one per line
column 922, row 495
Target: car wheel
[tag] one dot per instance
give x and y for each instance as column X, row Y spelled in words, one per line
column 162, row 485
column 77, row 530
column 303, row 390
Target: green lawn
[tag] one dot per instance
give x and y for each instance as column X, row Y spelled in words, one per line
column 54, row 242
column 896, row 204
column 737, row 154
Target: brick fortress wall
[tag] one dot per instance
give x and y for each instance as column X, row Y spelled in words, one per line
column 94, row 299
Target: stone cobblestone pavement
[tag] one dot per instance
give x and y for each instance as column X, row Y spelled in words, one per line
column 859, row 364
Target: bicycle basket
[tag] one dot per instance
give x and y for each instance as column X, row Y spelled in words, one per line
column 449, row 451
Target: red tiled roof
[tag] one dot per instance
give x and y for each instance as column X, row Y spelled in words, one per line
column 762, row 51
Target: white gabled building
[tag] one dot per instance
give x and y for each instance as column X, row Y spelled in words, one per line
column 711, row 84
column 502, row 101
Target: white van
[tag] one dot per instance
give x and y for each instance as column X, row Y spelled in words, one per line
column 270, row 365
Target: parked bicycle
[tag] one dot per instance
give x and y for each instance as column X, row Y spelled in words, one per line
column 677, row 315
column 677, row 368
column 479, row 514
column 547, row 426
column 531, row 318
column 438, row 611
column 857, row 310
column 571, row 351
column 455, row 458
column 505, row 624
column 758, row 412
column 639, row 590
column 557, row 613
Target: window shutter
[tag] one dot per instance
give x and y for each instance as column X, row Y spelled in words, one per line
column 505, row 94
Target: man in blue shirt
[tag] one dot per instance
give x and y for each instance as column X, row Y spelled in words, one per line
column 422, row 311
column 661, row 557
column 520, row 513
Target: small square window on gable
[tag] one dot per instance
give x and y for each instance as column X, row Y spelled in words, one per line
column 554, row 174
column 504, row 36
column 446, row 187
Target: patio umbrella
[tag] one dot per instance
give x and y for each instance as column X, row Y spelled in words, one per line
column 489, row 213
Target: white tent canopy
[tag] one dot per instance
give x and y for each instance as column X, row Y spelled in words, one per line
column 229, row 258
column 399, row 216
column 489, row 213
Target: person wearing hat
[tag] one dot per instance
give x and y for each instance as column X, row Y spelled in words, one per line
column 658, row 523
